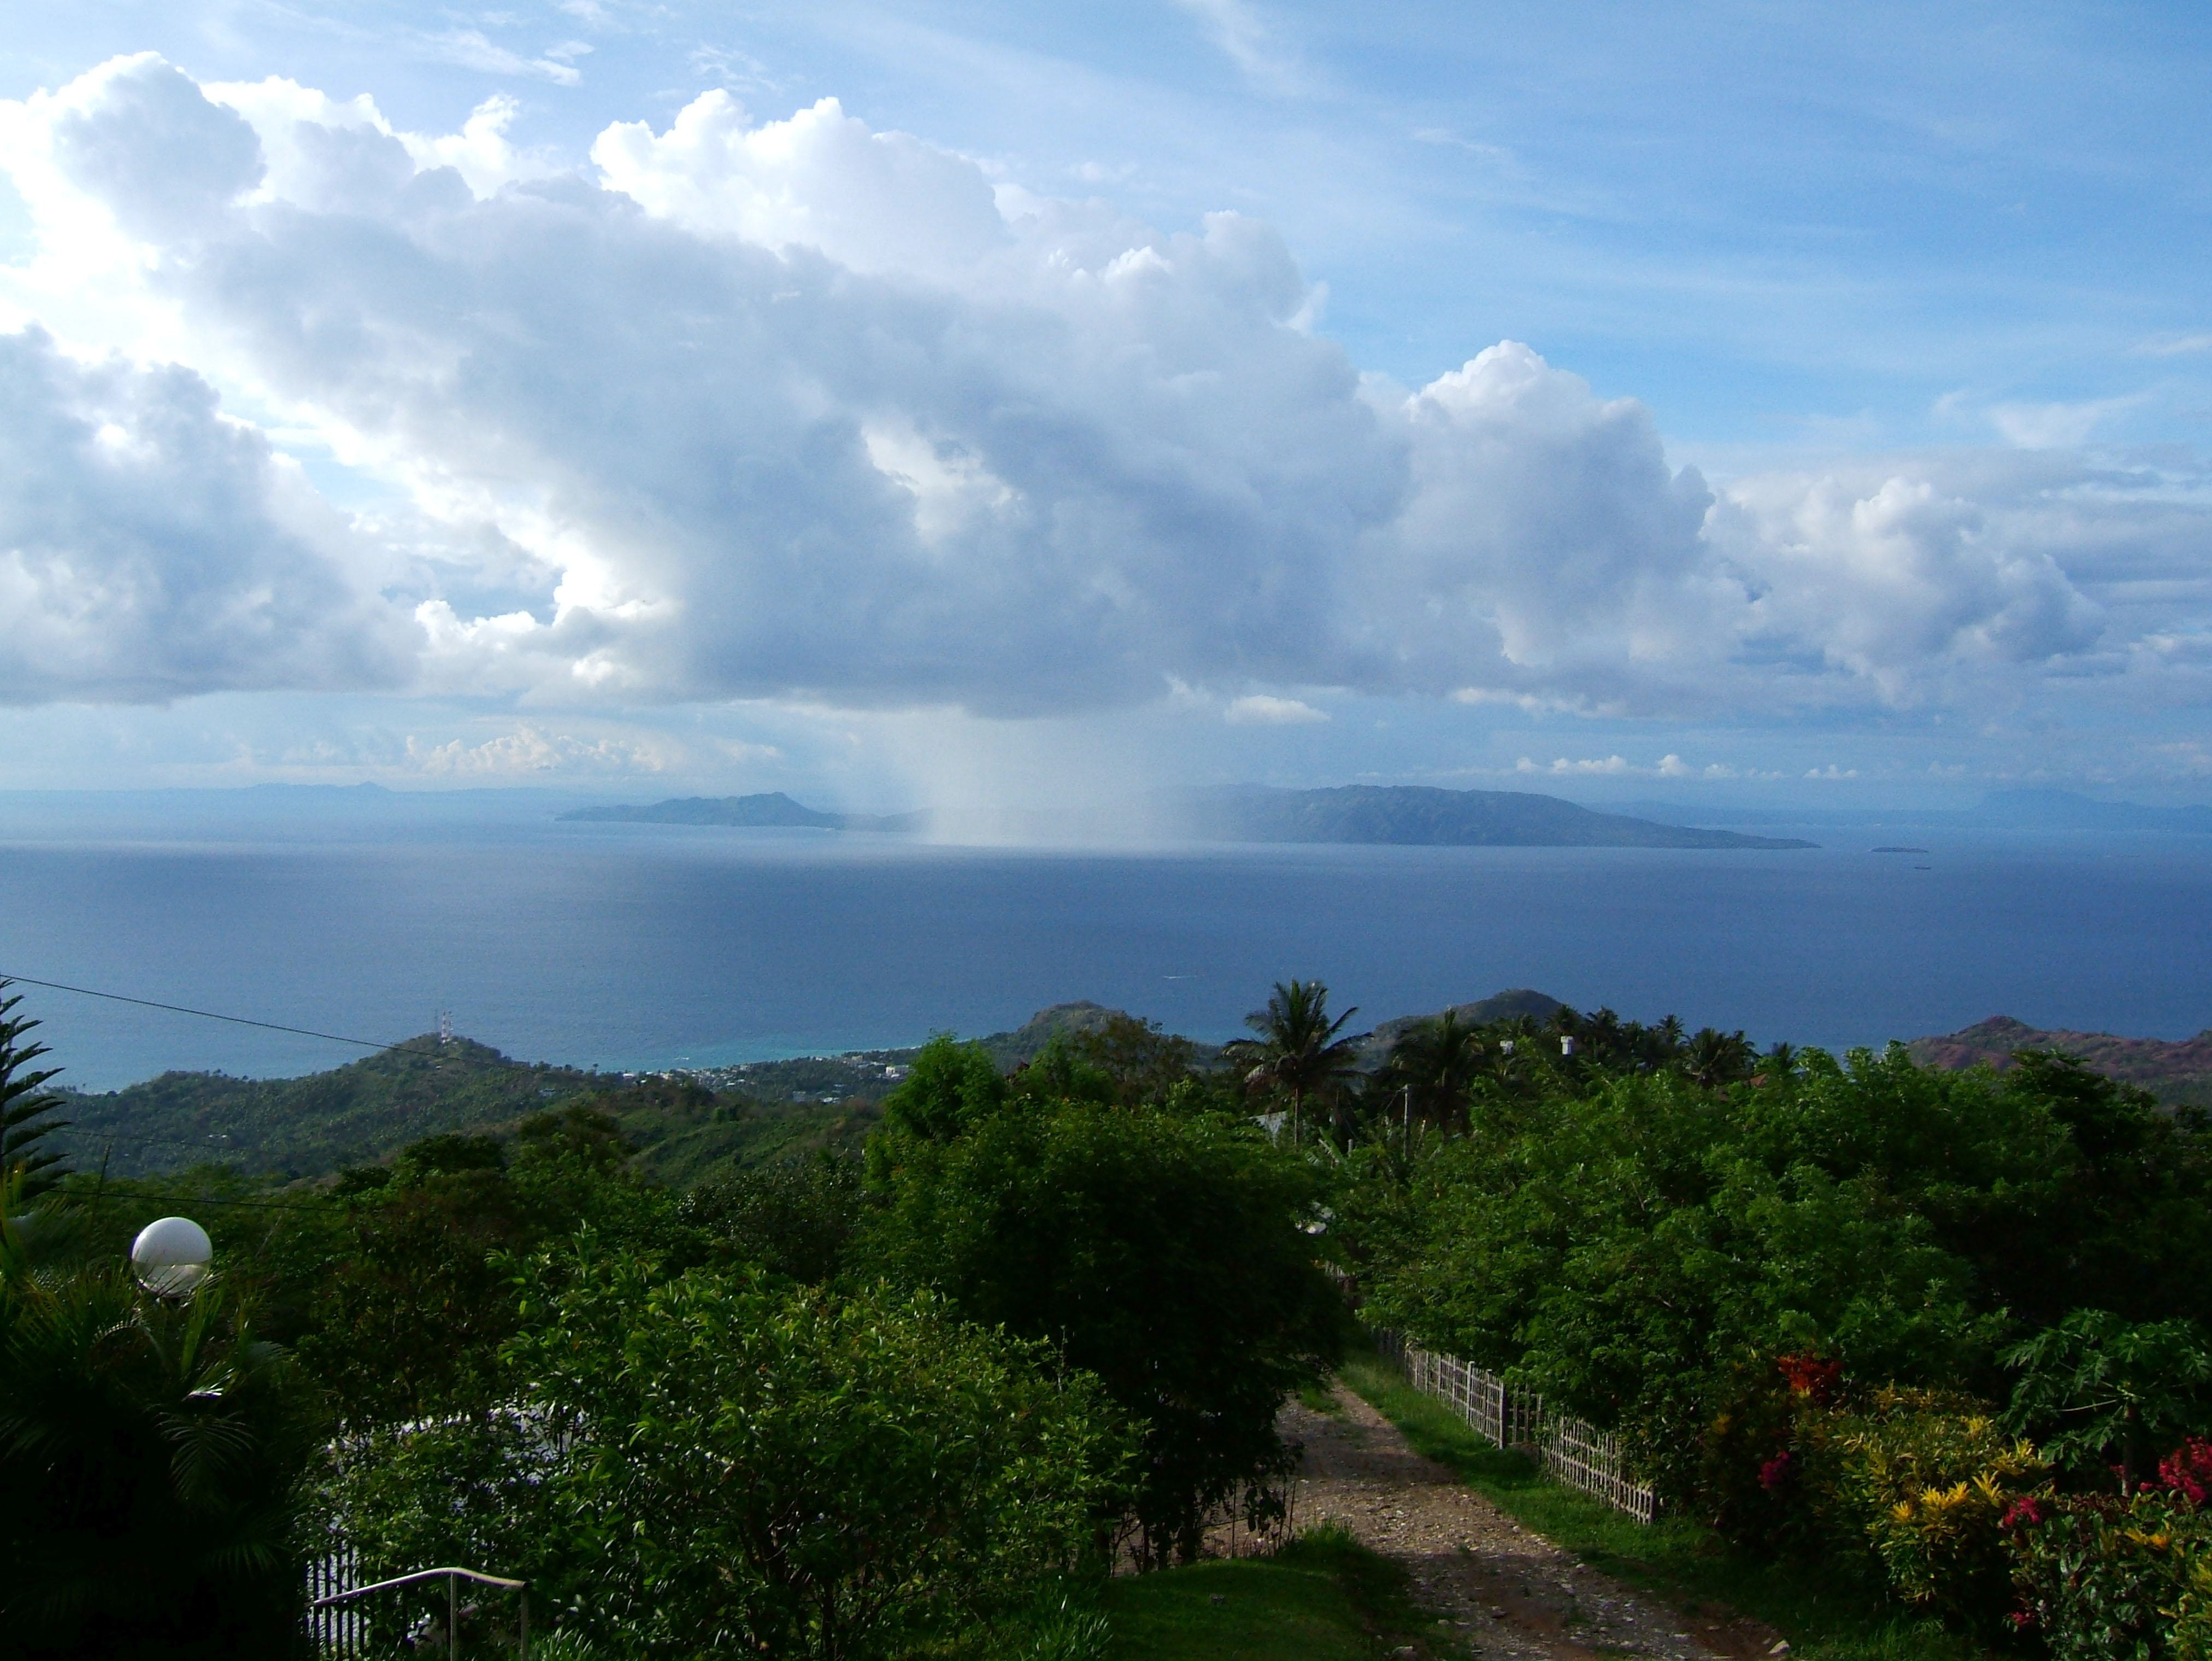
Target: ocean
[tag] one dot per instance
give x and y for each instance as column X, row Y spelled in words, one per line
column 642, row 946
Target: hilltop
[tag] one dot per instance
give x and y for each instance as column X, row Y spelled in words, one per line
column 687, row 1125
column 2179, row 1073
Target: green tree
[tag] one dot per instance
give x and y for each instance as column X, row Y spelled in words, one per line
column 395, row 1293
column 1061, row 1071
column 1144, row 1060
column 1299, row 1054
column 1437, row 1062
column 793, row 1219
column 1167, row 1256
column 152, row 1455
column 2095, row 1388
column 715, row 1465
column 25, row 1109
column 950, row 1086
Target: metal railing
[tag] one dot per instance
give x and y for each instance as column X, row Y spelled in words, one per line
column 339, row 1626
column 1572, row 1450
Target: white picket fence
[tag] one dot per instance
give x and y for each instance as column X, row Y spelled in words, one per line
column 1574, row 1451
column 342, row 1630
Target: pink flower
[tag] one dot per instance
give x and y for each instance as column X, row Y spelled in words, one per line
column 1775, row 1472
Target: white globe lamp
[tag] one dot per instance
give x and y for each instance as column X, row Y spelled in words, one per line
column 171, row 1256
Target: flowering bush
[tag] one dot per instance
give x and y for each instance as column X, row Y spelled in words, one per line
column 2099, row 1577
column 1930, row 1479
column 2105, row 1576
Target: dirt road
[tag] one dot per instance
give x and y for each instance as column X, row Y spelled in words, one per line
column 1504, row 1590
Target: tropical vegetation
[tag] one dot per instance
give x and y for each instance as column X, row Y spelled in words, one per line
column 918, row 1389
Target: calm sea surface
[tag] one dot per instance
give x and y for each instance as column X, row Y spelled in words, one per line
column 634, row 946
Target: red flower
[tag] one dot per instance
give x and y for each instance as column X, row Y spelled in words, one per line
column 1775, row 1473
column 1808, row 1375
column 2022, row 1510
column 2187, row 1471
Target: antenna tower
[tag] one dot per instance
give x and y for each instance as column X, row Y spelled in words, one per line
column 444, row 1026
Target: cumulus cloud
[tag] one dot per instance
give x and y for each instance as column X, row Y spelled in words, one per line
column 1258, row 709
column 150, row 549
column 800, row 409
column 528, row 749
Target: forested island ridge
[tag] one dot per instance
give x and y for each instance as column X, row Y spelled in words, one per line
column 1404, row 815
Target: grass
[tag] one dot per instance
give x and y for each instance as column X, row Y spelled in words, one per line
column 1323, row 1598
column 1824, row 1617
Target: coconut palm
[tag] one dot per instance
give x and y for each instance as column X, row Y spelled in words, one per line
column 1713, row 1058
column 1299, row 1052
column 1438, row 1061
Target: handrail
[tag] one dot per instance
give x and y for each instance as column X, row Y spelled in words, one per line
column 420, row 1574
column 452, row 1576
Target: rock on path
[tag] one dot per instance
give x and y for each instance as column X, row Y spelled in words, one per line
column 1504, row 1590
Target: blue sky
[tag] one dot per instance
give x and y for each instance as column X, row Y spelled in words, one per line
column 1852, row 420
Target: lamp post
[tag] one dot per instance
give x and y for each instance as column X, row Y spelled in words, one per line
column 171, row 1257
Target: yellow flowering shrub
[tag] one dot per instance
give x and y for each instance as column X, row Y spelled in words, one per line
column 1929, row 1477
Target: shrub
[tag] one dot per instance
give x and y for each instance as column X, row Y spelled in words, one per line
column 2102, row 1579
column 712, row 1464
column 1929, row 1479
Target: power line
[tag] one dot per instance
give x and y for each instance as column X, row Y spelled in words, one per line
column 209, row 1015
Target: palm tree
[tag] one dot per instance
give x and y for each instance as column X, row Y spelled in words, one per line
column 153, row 1456
column 1713, row 1058
column 1298, row 1051
column 1438, row 1061
column 23, row 1105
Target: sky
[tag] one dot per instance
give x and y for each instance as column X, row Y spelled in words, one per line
column 977, row 404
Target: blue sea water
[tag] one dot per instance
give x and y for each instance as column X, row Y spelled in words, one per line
column 627, row 946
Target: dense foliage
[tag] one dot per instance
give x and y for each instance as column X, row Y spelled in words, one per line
column 1166, row 1255
column 1850, row 1308
column 150, row 1455
column 709, row 1465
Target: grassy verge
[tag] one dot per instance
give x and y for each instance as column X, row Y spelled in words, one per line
column 1825, row 1617
column 1324, row 1597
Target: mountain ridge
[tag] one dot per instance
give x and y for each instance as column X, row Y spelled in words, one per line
column 1424, row 815
column 769, row 809
column 2178, row 1072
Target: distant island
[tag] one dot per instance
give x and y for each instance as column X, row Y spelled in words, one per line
column 1422, row 816
column 773, row 809
column 1407, row 815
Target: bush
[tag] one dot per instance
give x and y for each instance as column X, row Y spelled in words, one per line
column 1167, row 1256
column 1929, row 1479
column 2103, row 1578
column 710, row 1462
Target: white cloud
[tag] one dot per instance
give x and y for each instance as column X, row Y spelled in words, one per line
column 1245, row 37
column 150, row 550
column 2175, row 346
column 1259, row 710
column 797, row 410
column 528, row 749
column 2055, row 425
column 471, row 49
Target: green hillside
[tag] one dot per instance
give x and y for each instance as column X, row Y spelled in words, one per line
column 369, row 1109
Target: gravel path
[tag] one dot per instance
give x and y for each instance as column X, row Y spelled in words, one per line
column 1504, row 1590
